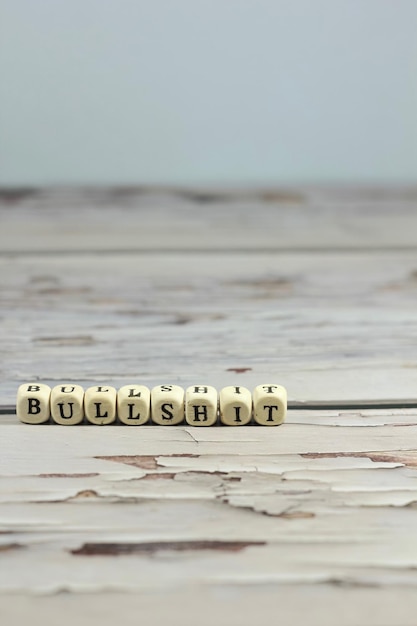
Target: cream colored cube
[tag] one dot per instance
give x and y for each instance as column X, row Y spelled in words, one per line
column 67, row 404
column 201, row 405
column 235, row 406
column 133, row 404
column 167, row 405
column 269, row 404
column 100, row 404
column 32, row 403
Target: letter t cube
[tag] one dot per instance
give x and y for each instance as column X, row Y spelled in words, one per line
column 269, row 404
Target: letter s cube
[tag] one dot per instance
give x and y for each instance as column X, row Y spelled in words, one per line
column 167, row 405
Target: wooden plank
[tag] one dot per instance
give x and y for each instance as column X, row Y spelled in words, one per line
column 355, row 432
column 321, row 503
column 45, row 220
column 329, row 327
column 231, row 605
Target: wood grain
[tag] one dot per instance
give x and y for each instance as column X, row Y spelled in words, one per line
column 329, row 327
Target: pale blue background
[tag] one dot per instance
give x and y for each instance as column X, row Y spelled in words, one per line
column 208, row 91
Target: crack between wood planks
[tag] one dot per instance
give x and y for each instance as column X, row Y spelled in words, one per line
column 310, row 405
column 191, row 435
column 190, row 251
column 214, row 583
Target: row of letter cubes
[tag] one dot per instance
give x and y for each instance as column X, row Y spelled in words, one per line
column 165, row 404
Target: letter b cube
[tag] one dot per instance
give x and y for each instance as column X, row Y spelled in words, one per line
column 32, row 404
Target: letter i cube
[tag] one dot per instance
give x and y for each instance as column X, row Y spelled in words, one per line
column 269, row 404
column 235, row 406
column 32, row 403
column 201, row 405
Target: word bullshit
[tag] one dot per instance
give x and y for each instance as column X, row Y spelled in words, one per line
column 165, row 405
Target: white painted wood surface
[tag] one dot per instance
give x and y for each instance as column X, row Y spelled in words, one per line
column 311, row 522
column 332, row 326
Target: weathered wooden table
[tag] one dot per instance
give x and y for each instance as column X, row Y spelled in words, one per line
column 314, row 522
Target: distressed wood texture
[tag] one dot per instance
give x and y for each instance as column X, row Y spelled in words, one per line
column 312, row 522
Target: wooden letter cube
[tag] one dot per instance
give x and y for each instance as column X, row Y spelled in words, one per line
column 201, row 405
column 133, row 404
column 269, row 404
column 235, row 406
column 67, row 404
column 32, row 403
column 100, row 404
column 167, row 405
